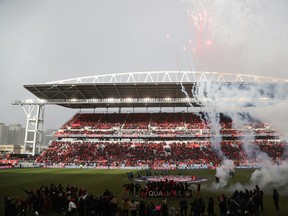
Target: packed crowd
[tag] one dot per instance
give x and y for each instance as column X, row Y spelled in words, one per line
column 158, row 140
column 137, row 121
column 154, row 154
column 155, row 124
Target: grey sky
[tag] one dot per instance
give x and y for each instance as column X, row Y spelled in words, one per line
column 42, row 41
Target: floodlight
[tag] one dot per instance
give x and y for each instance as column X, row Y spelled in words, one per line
column 110, row 100
column 129, row 99
column 41, row 101
column 30, row 101
column 147, row 99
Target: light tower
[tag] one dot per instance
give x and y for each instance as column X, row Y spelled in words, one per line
column 34, row 112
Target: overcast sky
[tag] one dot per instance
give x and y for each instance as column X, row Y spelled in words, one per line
column 42, row 41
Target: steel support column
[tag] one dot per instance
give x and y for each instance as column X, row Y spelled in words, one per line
column 34, row 128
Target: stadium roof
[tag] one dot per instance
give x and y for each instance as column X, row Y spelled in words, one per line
column 168, row 77
column 138, row 89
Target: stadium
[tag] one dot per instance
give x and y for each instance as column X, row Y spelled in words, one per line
column 163, row 120
column 184, row 126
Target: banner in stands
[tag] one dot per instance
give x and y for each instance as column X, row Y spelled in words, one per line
column 119, row 167
column 249, row 166
column 163, row 167
column 27, row 165
column 6, row 167
column 53, row 166
column 157, row 193
column 8, row 162
column 193, row 166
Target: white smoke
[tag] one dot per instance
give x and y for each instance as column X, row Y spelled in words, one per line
column 275, row 115
column 267, row 102
column 243, row 122
column 240, row 122
column 271, row 176
column 202, row 93
column 224, row 173
column 263, row 101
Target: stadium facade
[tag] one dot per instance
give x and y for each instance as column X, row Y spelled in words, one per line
column 149, row 90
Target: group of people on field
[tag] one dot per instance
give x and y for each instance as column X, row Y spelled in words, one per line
column 70, row 200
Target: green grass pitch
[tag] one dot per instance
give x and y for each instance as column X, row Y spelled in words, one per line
column 95, row 181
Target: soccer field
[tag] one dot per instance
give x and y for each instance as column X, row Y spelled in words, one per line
column 12, row 181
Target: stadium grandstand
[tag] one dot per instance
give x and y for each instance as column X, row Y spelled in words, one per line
column 154, row 119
